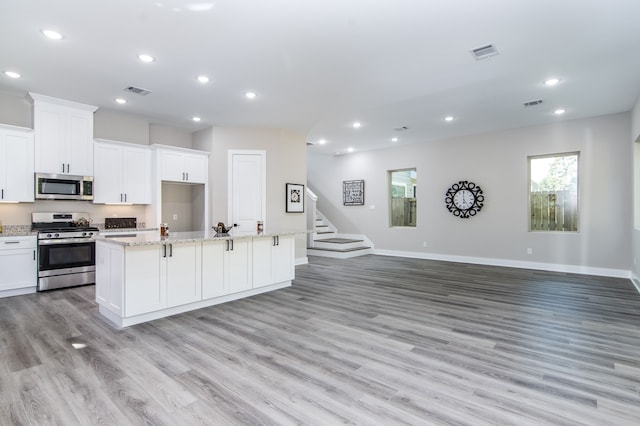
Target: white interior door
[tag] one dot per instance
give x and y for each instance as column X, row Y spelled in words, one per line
column 247, row 189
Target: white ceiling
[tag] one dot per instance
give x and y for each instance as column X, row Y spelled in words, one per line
column 317, row 66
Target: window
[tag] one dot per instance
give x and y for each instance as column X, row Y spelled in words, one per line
column 402, row 193
column 553, row 192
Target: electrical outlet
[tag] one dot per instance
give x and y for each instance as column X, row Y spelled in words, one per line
column 424, row 244
column 175, row 216
column 529, row 250
column 372, row 206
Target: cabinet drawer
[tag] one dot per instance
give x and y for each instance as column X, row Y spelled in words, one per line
column 14, row 243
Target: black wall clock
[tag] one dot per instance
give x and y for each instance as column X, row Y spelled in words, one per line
column 464, row 199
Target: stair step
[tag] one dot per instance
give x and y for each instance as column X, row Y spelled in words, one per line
column 340, row 250
column 337, row 240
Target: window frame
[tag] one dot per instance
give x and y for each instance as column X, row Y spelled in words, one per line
column 412, row 187
column 578, row 209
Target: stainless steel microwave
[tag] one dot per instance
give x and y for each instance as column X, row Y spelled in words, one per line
column 63, row 187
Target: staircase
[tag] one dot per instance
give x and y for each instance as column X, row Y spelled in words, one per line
column 325, row 241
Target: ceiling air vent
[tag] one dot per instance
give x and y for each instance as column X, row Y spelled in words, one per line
column 532, row 103
column 401, row 129
column 484, row 52
column 137, row 90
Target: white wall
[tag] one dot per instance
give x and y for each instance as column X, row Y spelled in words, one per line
column 498, row 163
column 286, row 163
column 635, row 142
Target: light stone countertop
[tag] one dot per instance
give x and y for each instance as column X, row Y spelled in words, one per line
column 17, row 231
column 154, row 238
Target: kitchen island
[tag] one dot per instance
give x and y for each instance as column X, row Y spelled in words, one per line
column 145, row 276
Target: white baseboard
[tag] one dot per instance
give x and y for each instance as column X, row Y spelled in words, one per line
column 554, row 267
column 302, row 260
column 635, row 281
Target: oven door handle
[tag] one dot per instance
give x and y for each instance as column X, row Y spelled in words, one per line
column 66, row 241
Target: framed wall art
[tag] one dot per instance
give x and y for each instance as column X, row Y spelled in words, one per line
column 353, row 192
column 295, row 198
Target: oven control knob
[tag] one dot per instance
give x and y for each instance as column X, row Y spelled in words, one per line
column 90, row 233
column 48, row 235
column 84, row 234
column 56, row 235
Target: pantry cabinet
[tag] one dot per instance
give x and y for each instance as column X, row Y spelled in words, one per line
column 63, row 136
column 122, row 173
column 18, row 265
column 16, row 164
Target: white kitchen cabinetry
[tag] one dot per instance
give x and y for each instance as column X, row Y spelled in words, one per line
column 16, row 164
column 63, row 136
column 165, row 276
column 225, row 267
column 273, row 260
column 183, row 165
column 18, row 265
column 122, row 173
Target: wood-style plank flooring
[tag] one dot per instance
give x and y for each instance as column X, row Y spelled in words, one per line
column 372, row 340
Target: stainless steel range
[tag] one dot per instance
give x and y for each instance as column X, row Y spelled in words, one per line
column 66, row 249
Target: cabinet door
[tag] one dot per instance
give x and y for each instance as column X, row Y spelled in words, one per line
column 50, row 150
column 262, row 263
column 137, row 175
column 17, row 263
column 196, row 168
column 16, row 166
column 107, row 180
column 238, row 266
column 213, row 259
column 145, row 272
column 79, row 142
column 184, row 283
column 172, row 165
column 283, row 259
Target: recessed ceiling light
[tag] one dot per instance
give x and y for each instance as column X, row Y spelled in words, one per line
column 394, row 139
column 356, row 125
column 449, row 118
column 196, row 119
column 551, row 81
column 203, row 79
column 559, row 111
column 121, row 101
column 350, row 149
column 53, row 35
column 250, row 95
column 145, row 58
column 12, row 74
column 322, row 141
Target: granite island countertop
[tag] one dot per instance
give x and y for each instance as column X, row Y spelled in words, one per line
column 154, row 238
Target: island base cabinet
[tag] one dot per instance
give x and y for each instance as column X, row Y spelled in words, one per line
column 110, row 276
column 273, row 260
column 145, row 271
column 225, row 267
column 183, row 273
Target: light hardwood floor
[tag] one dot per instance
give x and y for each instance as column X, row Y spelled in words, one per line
column 371, row 340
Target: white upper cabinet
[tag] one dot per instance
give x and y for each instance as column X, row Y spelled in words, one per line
column 16, row 164
column 122, row 173
column 63, row 136
column 183, row 165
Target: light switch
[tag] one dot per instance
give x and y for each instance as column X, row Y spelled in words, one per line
column 175, row 216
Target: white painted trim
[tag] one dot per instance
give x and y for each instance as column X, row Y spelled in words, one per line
column 302, row 261
column 17, row 292
column 635, row 281
column 120, row 322
column 554, row 267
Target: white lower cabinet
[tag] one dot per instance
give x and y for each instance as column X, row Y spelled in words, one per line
column 138, row 283
column 18, row 265
column 225, row 267
column 273, row 260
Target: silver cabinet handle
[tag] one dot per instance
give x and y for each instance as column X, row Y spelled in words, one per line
column 170, row 250
column 2, row 197
column 187, row 175
column 62, row 167
column 164, row 250
column 125, row 198
column 12, row 242
column 34, row 255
